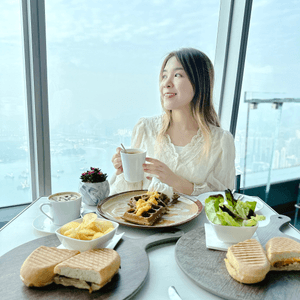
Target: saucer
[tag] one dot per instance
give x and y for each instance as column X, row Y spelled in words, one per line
column 44, row 224
column 212, row 241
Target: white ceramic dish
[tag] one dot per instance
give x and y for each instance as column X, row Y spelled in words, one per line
column 83, row 245
column 212, row 241
column 233, row 234
column 44, row 224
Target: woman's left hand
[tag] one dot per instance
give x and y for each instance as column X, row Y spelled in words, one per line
column 165, row 175
column 161, row 170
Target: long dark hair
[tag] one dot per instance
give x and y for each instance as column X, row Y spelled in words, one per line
column 200, row 72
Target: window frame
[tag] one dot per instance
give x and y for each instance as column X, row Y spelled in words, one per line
column 232, row 37
column 34, row 35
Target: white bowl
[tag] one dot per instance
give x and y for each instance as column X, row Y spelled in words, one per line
column 83, row 245
column 233, row 234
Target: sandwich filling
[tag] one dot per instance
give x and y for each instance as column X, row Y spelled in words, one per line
column 81, row 284
column 90, row 270
column 286, row 262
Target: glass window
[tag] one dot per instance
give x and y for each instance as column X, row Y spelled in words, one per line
column 271, row 76
column 104, row 59
column 14, row 152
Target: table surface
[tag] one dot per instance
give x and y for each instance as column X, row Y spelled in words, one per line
column 164, row 271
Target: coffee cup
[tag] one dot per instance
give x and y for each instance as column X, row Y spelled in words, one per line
column 64, row 207
column 132, row 162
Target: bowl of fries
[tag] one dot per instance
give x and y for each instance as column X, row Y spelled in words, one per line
column 87, row 233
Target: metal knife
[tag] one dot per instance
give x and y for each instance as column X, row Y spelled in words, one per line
column 173, row 294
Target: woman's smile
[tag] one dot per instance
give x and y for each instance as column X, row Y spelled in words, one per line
column 169, row 95
column 175, row 87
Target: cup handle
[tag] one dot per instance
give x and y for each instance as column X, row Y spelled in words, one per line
column 41, row 209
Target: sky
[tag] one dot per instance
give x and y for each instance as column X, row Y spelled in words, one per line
column 104, row 57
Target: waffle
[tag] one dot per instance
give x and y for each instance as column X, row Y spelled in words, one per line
column 146, row 218
column 163, row 199
column 283, row 254
column 88, row 270
column 246, row 262
column 37, row 269
column 151, row 213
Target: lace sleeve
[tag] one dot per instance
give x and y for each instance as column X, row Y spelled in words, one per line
column 222, row 170
column 138, row 134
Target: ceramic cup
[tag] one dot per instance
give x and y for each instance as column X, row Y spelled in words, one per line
column 64, row 207
column 132, row 162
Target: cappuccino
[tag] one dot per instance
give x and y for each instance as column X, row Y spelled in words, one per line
column 133, row 152
column 63, row 197
column 63, row 207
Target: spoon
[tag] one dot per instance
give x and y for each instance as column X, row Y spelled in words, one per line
column 123, row 148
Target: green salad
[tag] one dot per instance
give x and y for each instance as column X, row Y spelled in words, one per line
column 233, row 212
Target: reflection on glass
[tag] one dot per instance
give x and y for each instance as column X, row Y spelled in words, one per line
column 14, row 152
column 271, row 71
column 103, row 65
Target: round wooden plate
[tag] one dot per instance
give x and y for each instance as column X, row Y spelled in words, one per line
column 131, row 277
column 207, row 268
column 183, row 211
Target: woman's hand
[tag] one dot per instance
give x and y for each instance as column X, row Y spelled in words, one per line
column 117, row 162
column 165, row 175
column 161, row 170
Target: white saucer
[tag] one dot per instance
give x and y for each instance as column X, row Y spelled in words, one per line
column 212, row 241
column 44, row 224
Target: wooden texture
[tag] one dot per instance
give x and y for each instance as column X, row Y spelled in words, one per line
column 207, row 268
column 131, row 277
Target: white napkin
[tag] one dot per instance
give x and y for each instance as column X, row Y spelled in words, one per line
column 157, row 185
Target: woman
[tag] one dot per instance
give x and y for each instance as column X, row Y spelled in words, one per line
column 186, row 147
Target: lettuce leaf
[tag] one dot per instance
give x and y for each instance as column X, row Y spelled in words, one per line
column 227, row 220
column 212, row 207
column 233, row 213
column 253, row 221
column 230, row 199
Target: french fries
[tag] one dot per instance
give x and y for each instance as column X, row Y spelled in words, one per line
column 89, row 229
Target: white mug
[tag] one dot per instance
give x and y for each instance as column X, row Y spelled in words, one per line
column 132, row 162
column 64, row 207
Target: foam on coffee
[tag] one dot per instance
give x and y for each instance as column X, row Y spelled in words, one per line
column 63, row 197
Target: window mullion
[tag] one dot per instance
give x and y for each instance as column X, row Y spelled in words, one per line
column 230, row 58
column 33, row 12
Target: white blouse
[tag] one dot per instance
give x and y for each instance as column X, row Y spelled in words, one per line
column 216, row 172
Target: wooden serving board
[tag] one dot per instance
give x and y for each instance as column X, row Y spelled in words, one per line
column 207, row 268
column 131, row 276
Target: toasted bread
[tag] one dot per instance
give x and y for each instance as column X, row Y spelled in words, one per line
column 88, row 270
column 246, row 262
column 283, row 254
column 38, row 268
